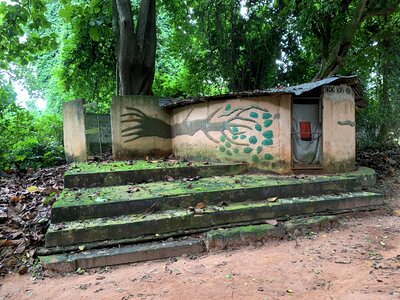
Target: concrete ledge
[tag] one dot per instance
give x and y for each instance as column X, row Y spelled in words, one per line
column 121, row 255
column 160, row 196
column 236, row 237
column 126, row 174
column 366, row 177
column 81, row 232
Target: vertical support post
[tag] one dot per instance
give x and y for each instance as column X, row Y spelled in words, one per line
column 75, row 146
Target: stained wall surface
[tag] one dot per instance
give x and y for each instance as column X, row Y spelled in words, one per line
column 139, row 127
column 254, row 130
column 74, row 131
column 339, row 133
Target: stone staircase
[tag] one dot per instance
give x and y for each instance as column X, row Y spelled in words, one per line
column 134, row 211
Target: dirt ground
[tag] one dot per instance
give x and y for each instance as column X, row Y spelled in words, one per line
column 359, row 260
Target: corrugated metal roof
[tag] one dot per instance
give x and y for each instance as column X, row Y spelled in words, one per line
column 297, row 90
column 306, row 87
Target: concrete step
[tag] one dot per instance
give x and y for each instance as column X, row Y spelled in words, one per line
column 84, row 175
column 67, row 259
column 170, row 221
column 152, row 197
column 235, row 237
column 86, row 259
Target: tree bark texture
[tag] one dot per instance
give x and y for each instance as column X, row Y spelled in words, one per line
column 136, row 47
column 331, row 60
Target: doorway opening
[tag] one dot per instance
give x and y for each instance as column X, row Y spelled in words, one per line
column 306, row 133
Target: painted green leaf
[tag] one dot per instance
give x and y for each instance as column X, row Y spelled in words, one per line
column 266, row 116
column 228, row 107
column 268, row 156
column 228, row 145
column 222, row 138
column 235, row 129
column 254, row 115
column 228, row 152
column 243, row 136
column 235, row 137
column 253, row 140
column 247, row 150
column 258, row 127
column 222, row 148
column 268, row 134
column 267, row 123
column 236, row 150
column 267, row 142
column 259, row 149
column 255, row 158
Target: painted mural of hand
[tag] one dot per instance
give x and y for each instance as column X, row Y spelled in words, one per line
column 143, row 126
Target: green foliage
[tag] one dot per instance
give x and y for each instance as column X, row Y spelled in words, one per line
column 28, row 140
column 23, row 31
column 7, row 94
column 376, row 60
column 65, row 50
column 225, row 47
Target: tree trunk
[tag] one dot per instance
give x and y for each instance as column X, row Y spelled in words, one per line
column 136, row 49
column 330, row 62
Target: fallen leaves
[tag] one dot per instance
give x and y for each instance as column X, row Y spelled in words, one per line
column 272, row 222
column 25, row 202
column 385, row 162
column 169, row 178
column 17, row 198
column 33, row 189
column 195, row 178
column 6, row 243
column 272, row 199
column 200, row 205
column 133, row 189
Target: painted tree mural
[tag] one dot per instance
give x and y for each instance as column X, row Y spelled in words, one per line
column 239, row 129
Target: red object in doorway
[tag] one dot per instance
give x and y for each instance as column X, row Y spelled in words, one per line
column 305, row 131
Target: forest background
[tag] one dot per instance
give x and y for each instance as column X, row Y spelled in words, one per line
column 60, row 50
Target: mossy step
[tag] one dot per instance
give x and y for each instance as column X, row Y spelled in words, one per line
column 158, row 196
column 132, row 172
column 226, row 238
column 128, row 226
column 70, row 262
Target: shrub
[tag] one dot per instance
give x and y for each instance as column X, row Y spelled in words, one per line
column 29, row 140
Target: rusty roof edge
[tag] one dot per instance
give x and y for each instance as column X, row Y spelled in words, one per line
column 295, row 90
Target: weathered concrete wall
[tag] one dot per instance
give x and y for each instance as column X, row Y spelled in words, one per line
column 338, row 129
column 98, row 133
column 253, row 130
column 139, row 127
column 74, row 131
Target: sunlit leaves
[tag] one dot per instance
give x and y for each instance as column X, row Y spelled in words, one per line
column 23, row 31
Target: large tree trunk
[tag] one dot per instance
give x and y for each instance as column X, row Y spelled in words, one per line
column 332, row 60
column 136, row 48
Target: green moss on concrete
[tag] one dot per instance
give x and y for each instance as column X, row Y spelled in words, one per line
column 163, row 195
column 93, row 196
column 229, row 232
column 95, row 167
column 128, row 226
column 308, row 221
